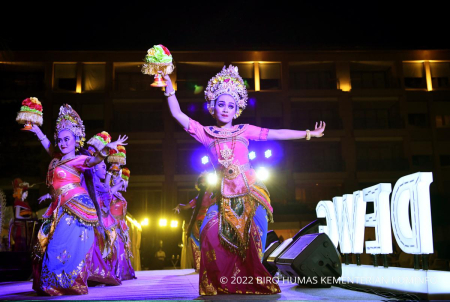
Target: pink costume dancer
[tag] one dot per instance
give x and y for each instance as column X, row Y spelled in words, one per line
column 64, row 251
column 123, row 268
column 104, row 254
column 200, row 204
column 234, row 231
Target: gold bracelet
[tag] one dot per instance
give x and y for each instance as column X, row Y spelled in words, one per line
column 102, row 154
column 308, row 135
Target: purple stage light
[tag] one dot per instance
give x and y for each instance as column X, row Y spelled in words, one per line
column 268, row 153
column 252, row 155
column 205, row 160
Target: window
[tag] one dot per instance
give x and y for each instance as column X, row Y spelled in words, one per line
column 414, row 75
column 442, row 121
column 93, row 77
column 93, row 117
column 22, row 77
column 304, row 115
column 381, row 156
column 372, row 75
column 440, row 74
column 418, row 120
column 145, row 159
column 312, row 75
column 318, row 157
column 445, row 160
column 422, row 161
column 271, row 114
column 135, row 116
column 193, row 77
column 65, row 77
column 377, row 115
column 128, row 77
column 185, row 195
column 270, row 76
column 144, row 202
column 247, row 72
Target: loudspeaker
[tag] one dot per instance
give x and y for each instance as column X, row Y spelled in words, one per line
column 311, row 257
column 272, row 269
column 273, row 257
column 310, row 228
column 271, row 237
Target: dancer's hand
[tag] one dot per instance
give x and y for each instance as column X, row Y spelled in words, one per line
column 177, row 209
column 169, row 87
column 120, row 141
column 318, row 130
column 37, row 131
column 44, row 197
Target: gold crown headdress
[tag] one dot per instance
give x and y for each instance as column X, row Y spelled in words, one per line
column 228, row 81
column 68, row 119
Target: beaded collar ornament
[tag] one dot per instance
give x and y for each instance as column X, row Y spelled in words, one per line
column 68, row 119
column 228, row 81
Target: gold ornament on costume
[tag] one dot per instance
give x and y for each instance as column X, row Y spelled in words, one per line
column 158, row 59
column 30, row 113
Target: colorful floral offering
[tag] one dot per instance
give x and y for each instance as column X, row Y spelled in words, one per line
column 30, row 113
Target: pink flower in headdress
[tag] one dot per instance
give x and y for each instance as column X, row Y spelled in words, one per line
column 227, row 80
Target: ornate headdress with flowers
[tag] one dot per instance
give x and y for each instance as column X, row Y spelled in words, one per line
column 99, row 140
column 228, row 81
column 69, row 119
column 126, row 174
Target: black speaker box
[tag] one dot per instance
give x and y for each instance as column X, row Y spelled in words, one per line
column 272, row 269
column 271, row 237
column 311, row 256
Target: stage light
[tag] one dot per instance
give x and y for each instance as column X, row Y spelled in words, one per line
column 144, row 222
column 205, row 160
column 252, row 155
column 174, row 224
column 262, row 174
column 212, row 178
column 163, row 222
column 268, row 153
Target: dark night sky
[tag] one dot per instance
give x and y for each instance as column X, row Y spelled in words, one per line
column 224, row 25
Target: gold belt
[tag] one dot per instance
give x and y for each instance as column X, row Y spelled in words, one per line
column 65, row 189
column 232, row 171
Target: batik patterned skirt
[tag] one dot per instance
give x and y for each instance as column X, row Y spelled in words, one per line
column 65, row 248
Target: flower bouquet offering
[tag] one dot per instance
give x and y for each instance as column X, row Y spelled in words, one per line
column 158, row 59
column 30, row 113
column 100, row 140
column 126, row 174
column 117, row 158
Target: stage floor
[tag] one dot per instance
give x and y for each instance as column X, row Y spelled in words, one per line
column 178, row 285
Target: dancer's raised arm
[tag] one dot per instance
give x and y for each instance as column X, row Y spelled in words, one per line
column 43, row 138
column 287, row 134
column 174, row 106
column 94, row 160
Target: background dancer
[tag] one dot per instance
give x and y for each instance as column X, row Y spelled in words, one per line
column 200, row 204
column 234, row 231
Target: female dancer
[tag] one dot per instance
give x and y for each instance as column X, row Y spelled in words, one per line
column 66, row 237
column 233, row 234
column 200, row 204
column 104, row 254
column 123, row 268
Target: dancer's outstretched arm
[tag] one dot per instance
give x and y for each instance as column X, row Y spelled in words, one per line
column 44, row 140
column 94, row 160
column 287, row 134
column 174, row 106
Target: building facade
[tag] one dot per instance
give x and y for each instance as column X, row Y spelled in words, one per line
column 387, row 115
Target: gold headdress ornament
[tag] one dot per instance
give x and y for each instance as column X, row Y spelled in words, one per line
column 69, row 119
column 228, row 81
